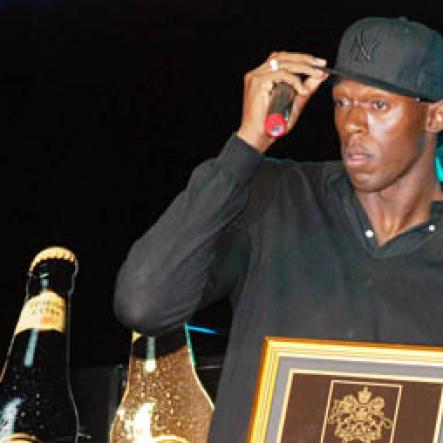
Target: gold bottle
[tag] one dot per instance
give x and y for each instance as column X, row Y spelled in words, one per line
column 164, row 401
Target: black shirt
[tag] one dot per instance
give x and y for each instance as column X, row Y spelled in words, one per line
column 293, row 248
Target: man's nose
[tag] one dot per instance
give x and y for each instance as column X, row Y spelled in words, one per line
column 355, row 119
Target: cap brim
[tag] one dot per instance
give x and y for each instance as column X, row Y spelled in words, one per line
column 374, row 82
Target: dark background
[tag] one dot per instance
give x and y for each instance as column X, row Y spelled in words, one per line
column 107, row 106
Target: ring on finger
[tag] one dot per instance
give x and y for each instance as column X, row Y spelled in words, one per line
column 274, row 64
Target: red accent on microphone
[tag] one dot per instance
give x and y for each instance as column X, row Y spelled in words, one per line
column 275, row 125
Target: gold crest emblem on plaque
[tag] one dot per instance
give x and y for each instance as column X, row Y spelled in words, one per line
column 362, row 416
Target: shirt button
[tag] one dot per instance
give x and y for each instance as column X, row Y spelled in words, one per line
column 369, row 233
column 431, row 228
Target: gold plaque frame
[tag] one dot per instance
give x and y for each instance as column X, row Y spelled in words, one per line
column 307, row 388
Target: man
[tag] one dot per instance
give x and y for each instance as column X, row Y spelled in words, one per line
column 339, row 250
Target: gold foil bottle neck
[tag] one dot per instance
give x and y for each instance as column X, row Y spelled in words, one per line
column 164, row 400
column 54, row 252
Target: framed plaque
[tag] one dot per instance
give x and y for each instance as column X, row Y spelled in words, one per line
column 314, row 391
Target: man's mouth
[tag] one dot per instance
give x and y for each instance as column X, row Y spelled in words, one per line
column 356, row 156
column 356, row 159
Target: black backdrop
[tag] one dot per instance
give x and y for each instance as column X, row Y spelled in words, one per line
column 105, row 109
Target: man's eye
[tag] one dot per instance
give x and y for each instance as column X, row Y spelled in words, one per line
column 379, row 105
column 341, row 102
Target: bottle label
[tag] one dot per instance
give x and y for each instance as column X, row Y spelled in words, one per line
column 20, row 438
column 46, row 311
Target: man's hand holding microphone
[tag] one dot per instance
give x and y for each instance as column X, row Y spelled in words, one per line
column 275, row 95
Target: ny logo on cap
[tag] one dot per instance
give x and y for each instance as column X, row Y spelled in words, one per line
column 362, row 50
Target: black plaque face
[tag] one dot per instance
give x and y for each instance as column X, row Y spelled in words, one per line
column 331, row 408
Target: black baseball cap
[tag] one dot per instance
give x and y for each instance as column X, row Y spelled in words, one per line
column 395, row 54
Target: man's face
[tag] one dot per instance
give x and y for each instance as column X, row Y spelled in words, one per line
column 381, row 134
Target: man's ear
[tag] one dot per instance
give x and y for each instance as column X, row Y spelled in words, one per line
column 434, row 122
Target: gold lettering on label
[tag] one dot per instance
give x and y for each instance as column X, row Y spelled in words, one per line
column 44, row 312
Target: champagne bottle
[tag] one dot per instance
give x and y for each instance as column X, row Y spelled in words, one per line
column 164, row 400
column 36, row 402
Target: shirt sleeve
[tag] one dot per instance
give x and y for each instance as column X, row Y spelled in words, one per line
column 167, row 271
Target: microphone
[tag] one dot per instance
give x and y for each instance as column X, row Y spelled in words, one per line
column 279, row 111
